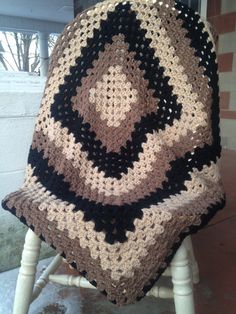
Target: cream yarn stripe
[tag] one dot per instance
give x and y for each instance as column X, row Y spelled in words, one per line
column 132, row 250
column 128, row 181
column 185, row 97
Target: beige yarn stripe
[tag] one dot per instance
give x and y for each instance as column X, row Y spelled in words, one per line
column 96, row 179
column 129, row 181
column 69, row 56
column 178, row 125
column 96, row 93
column 84, row 231
column 132, row 250
column 168, row 134
column 145, row 104
column 94, row 271
column 179, row 80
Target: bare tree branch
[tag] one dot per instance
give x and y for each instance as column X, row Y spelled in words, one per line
column 18, row 47
column 24, row 50
column 4, row 61
column 9, row 47
column 26, row 41
column 36, row 55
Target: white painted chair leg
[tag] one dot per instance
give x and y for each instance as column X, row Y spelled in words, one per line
column 161, row 292
column 70, row 280
column 44, row 278
column 27, row 290
column 194, row 264
column 182, row 282
column 26, row 277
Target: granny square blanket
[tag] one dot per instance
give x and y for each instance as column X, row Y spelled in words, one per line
column 124, row 159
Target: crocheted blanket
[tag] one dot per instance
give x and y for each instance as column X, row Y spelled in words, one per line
column 124, row 158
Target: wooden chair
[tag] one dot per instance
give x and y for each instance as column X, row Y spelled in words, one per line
column 183, row 270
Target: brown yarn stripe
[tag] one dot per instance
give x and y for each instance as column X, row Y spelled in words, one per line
column 150, row 182
column 182, row 144
column 103, row 278
column 170, row 130
column 115, row 54
column 181, row 86
column 210, row 189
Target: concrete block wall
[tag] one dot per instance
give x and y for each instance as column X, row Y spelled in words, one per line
column 222, row 15
column 20, row 95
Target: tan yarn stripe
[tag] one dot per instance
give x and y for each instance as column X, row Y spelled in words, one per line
column 145, row 104
column 143, row 238
column 175, row 128
column 55, row 206
column 185, row 53
column 145, row 177
column 195, row 76
column 82, row 256
column 56, row 133
column 84, row 261
column 177, row 133
column 150, row 258
column 172, row 67
column 82, row 29
column 193, row 204
column 66, row 52
column 119, row 93
column 149, row 227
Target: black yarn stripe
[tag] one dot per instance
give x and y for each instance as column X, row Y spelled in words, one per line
column 208, row 60
column 205, row 218
column 109, row 218
column 124, row 21
column 103, row 216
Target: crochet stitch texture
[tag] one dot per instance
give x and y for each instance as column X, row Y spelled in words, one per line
column 124, row 158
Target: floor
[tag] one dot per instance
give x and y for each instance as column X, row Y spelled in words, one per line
column 215, row 250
